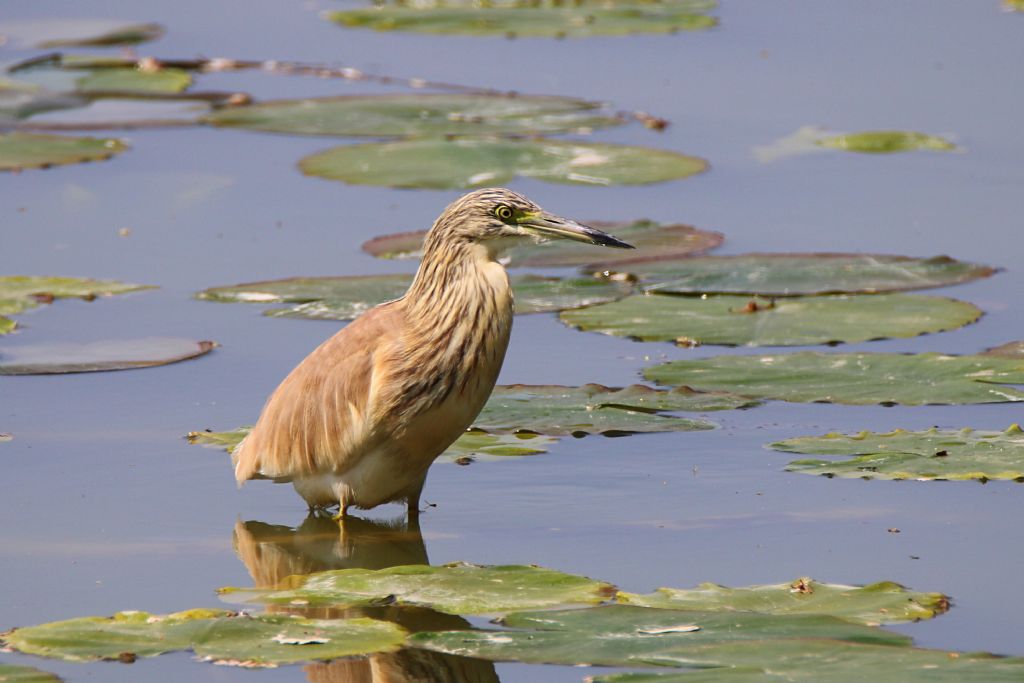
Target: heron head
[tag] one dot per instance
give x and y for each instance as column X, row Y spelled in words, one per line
column 498, row 214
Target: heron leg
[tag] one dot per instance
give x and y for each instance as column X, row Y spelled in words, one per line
column 413, row 503
column 342, row 511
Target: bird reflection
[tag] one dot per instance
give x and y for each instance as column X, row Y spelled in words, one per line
column 272, row 552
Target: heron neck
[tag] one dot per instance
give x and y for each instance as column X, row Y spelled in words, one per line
column 460, row 276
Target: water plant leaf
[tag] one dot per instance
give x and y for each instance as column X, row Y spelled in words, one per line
column 421, row 114
column 1014, row 349
column 624, row 635
column 650, row 239
column 346, row 297
column 118, row 354
column 46, row 287
column 64, row 32
column 462, row 163
column 457, row 588
column 596, row 409
column 737, row 320
column 523, row 20
column 800, row 274
column 33, row 150
column 878, row 603
column 21, row 100
column 885, row 142
column 218, row 635
column 825, row 661
column 928, row 455
column 853, row 378
column 10, row 673
column 162, row 81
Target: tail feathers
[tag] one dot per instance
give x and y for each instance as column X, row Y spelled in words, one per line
column 247, row 465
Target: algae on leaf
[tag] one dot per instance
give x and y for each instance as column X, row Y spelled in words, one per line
column 463, row 163
column 928, row 455
column 878, row 603
column 853, row 378
column 741, row 321
column 457, row 588
column 32, row 150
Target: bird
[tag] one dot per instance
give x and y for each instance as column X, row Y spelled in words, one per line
column 358, row 422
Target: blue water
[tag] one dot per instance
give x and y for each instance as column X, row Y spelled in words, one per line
column 105, row 507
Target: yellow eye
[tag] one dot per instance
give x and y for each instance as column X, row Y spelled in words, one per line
column 503, row 212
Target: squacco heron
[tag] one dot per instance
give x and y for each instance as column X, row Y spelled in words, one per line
column 359, row 421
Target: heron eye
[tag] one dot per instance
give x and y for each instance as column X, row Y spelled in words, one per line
column 503, row 212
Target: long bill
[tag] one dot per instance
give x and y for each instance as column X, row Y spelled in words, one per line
column 551, row 226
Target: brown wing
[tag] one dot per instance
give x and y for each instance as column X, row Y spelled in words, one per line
column 320, row 418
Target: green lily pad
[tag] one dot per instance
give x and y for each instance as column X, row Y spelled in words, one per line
column 474, row 443
column 624, row 635
column 879, row 603
column 885, row 142
column 924, row 456
column 826, row 661
column 457, row 588
column 650, row 240
column 423, row 114
column 215, row 635
column 48, row 359
column 31, row 150
column 596, row 409
column 21, row 292
column 134, row 80
column 346, row 297
column 463, row 163
column 520, row 19
column 64, row 32
column 10, row 673
column 737, row 320
column 797, row 274
column 853, row 378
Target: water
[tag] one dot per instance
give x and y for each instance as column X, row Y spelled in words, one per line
column 107, row 508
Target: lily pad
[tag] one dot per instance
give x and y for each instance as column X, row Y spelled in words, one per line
column 1014, row 349
column 826, row 661
column 134, row 80
column 879, row 603
column 596, row 409
column 31, row 150
column 423, row 114
column 10, row 673
column 22, row 100
column 924, row 456
column 853, row 378
column 650, row 240
column 346, row 297
column 463, row 163
column 736, row 320
column 216, row 635
column 798, row 274
column 63, row 32
column 43, row 287
column 521, row 19
column 121, row 354
column 885, row 142
column 474, row 443
column 624, row 635
column 457, row 588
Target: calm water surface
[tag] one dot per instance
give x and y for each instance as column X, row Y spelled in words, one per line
column 105, row 507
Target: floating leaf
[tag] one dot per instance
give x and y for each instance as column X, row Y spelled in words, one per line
column 345, row 298
column 826, row 661
column 456, row 588
column 885, row 142
column 25, row 674
column 423, row 114
column 736, row 320
column 63, row 32
column 796, row 274
column 596, row 409
column 121, row 354
column 19, row 286
column 1014, row 349
column 461, row 163
column 520, row 19
column 853, row 378
column 21, row 100
column 213, row 634
column 925, row 456
column 30, row 150
column 649, row 239
column 135, row 80
column 624, row 635
column 879, row 603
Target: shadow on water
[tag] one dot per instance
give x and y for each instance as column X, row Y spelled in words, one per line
column 272, row 552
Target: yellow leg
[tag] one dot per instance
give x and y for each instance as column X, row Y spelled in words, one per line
column 342, row 512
